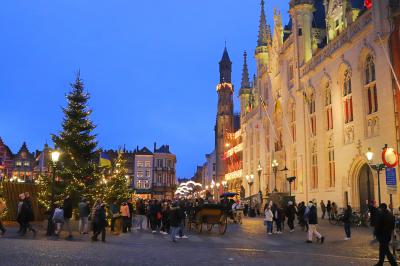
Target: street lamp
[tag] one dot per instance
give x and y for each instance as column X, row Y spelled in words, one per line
column 259, row 171
column 55, row 156
column 250, row 181
column 290, row 179
column 378, row 168
column 275, row 165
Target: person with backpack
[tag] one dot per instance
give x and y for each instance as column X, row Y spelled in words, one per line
column 84, row 211
column 312, row 217
column 101, row 222
column 58, row 219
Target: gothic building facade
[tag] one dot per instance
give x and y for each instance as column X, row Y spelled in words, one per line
column 323, row 94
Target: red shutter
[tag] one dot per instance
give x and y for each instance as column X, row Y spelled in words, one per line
column 346, row 112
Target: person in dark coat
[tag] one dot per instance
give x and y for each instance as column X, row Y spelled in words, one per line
column 175, row 220
column 347, row 216
column 101, row 223
column 27, row 215
column 329, row 209
column 372, row 212
column 291, row 215
column 131, row 211
column 155, row 216
column 67, row 207
column 311, row 212
column 384, row 226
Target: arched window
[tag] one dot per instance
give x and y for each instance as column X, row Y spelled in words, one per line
column 292, row 116
column 370, row 85
column 328, row 107
column 347, row 97
column 313, row 118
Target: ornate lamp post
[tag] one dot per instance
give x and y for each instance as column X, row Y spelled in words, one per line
column 378, row 168
column 259, row 171
column 275, row 165
column 250, row 181
column 55, row 155
column 290, row 179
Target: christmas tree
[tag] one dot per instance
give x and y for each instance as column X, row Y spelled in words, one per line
column 116, row 188
column 77, row 143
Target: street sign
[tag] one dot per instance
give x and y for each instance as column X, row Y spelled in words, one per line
column 391, row 180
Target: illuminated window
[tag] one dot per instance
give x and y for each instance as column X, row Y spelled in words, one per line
column 140, row 164
column 347, row 98
column 328, row 108
column 147, row 164
column 147, row 173
column 140, row 173
column 314, row 171
column 370, row 85
column 331, row 161
column 313, row 117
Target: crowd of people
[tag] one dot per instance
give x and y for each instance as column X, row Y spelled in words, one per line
column 381, row 220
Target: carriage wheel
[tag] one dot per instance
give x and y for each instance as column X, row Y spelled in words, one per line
column 223, row 225
column 199, row 227
column 209, row 227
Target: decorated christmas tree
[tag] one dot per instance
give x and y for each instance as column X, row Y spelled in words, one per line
column 77, row 173
column 116, row 187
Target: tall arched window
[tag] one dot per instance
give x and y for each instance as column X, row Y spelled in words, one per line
column 328, row 107
column 347, row 97
column 370, row 85
column 313, row 118
column 292, row 116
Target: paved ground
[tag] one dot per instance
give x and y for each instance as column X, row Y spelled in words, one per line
column 246, row 244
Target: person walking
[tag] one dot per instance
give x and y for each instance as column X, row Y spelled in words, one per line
column 329, row 209
column 101, row 223
column 19, row 207
column 290, row 214
column 384, row 226
column 27, row 215
column 347, row 217
column 175, row 220
column 2, row 210
column 67, row 207
column 323, row 209
column 165, row 227
column 312, row 224
column 182, row 210
column 126, row 216
column 84, row 211
column 114, row 213
column 58, row 219
column 269, row 217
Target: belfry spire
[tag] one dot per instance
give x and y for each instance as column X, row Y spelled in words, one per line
column 225, row 67
column 263, row 36
column 245, row 73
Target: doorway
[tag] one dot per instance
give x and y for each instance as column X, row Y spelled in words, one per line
column 366, row 187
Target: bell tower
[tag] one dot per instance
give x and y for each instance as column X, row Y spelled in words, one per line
column 224, row 119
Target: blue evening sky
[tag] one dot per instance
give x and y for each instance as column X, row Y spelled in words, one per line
column 151, row 68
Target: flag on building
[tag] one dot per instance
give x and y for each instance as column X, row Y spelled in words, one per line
column 105, row 160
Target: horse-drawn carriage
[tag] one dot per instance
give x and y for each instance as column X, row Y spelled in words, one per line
column 209, row 215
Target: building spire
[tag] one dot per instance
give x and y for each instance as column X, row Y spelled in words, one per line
column 262, row 30
column 225, row 67
column 245, row 73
